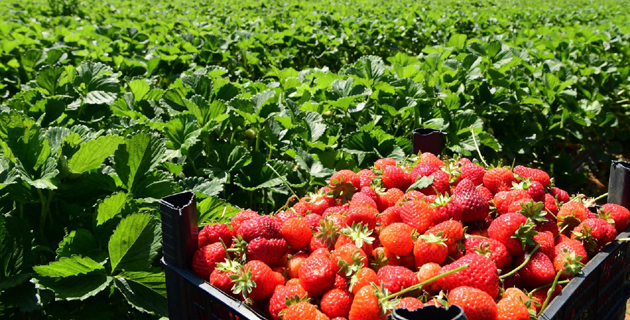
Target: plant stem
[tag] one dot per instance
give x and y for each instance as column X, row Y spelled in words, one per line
column 282, row 178
column 602, row 196
column 419, row 285
column 477, row 146
column 550, row 292
column 529, row 256
column 42, row 217
column 549, row 284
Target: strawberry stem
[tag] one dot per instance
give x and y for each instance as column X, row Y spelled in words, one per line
column 419, row 285
column 550, row 292
column 529, row 256
column 283, row 179
column 548, row 285
column 600, row 197
column 477, row 146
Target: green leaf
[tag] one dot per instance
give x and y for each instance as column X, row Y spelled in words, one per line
column 140, row 154
column 48, row 79
column 457, row 41
column 93, row 153
column 15, row 247
column 214, row 209
column 77, row 242
column 68, row 267
column 110, row 207
column 145, row 291
column 182, row 132
column 229, row 158
column 135, row 243
column 139, row 88
column 21, row 138
column 421, row 183
column 101, row 85
column 75, row 287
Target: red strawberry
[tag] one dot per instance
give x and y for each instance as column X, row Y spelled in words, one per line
column 269, row 251
column 571, row 214
column 569, row 256
column 206, row 258
column 547, row 243
column 428, row 157
column 317, row 275
column 362, row 200
column 262, row 226
column 335, row 210
column 594, row 233
column 222, row 280
column 620, row 215
column 446, row 209
column 474, row 206
column 549, row 224
column 550, row 204
column 430, row 248
column 215, row 233
column 362, row 278
column 365, row 178
column 451, row 230
column 481, row 274
column 297, row 232
column 423, row 170
column 295, row 263
column 473, row 173
column 314, row 220
column 328, row 194
column 485, row 193
column 426, row 272
column 441, row 183
column 512, row 309
column 365, row 305
column 395, row 278
column 256, row 281
column 345, row 183
column 513, row 230
column 316, row 203
column 388, row 199
column 348, row 259
column 380, row 164
column 395, row 177
column 341, row 282
column 370, row 192
column 560, row 194
column 477, row 304
column 538, row 271
column 359, row 235
column 535, row 189
column 336, row 303
column 397, row 237
column 498, row 179
column 490, row 248
column 417, row 214
column 300, row 209
column 387, row 217
column 539, row 296
column 303, row 310
column 278, row 301
column 504, row 199
column 410, row 303
column 533, row 174
column 283, row 216
column 241, row 217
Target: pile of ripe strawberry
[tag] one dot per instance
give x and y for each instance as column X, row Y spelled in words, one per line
column 498, row 242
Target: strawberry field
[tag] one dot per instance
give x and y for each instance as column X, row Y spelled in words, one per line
column 108, row 106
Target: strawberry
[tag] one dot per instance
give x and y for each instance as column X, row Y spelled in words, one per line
column 206, row 258
column 485, row 193
column 316, row 203
column 490, row 248
column 620, row 215
column 417, row 214
column 512, row 309
column 481, row 274
column 336, row 303
column 314, row 220
column 561, row 195
column 594, row 233
column 513, row 230
column 569, row 256
column 365, row 178
column 327, row 194
column 451, row 230
column 215, row 233
column 498, row 179
column 369, row 191
column 278, row 301
column 295, row 263
column 341, row 282
column 474, row 206
column 547, row 243
column 446, row 209
column 388, row 198
column 362, row 200
column 283, row 216
column 513, row 280
column 297, row 232
column 269, row 251
column 519, row 295
column 395, row 278
column 423, row 170
column 345, row 183
column 549, row 224
column 538, row 271
column 430, row 248
column 395, row 177
column 571, row 214
column 428, row 157
column 398, row 238
column 256, row 281
column 387, row 217
column 348, row 259
column 362, row 278
column 410, row 303
column 359, row 235
column 426, row 272
column 261, row 226
column 241, row 217
column 533, row 174
column 441, row 183
column 303, row 310
column 365, row 305
column 551, row 205
column 222, row 281
column 335, row 210
column 362, row 214
column 504, row 199
column 380, row 164
column 317, row 275
column 539, row 296
column 535, row 189
column 473, row 173
column 477, row 304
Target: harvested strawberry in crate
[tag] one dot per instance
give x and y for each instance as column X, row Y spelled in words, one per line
column 498, row 242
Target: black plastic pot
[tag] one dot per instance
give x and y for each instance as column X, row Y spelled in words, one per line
column 619, row 183
column 427, row 140
column 429, row 312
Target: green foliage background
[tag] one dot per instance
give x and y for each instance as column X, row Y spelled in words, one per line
column 107, row 106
